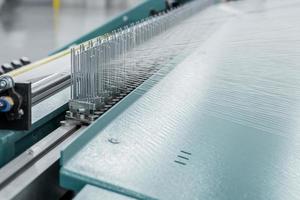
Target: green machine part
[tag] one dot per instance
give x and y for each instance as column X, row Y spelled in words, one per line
column 48, row 114
column 90, row 192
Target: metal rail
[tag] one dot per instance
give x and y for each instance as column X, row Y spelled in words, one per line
column 49, row 86
column 18, row 176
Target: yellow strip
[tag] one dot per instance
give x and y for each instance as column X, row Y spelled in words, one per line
column 56, row 4
column 38, row 63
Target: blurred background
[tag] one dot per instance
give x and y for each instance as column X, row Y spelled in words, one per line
column 35, row 28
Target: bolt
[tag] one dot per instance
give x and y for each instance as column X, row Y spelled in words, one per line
column 21, row 112
column 3, row 84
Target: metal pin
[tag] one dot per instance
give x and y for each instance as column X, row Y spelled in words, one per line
column 116, row 63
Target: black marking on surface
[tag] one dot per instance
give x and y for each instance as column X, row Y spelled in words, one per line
column 179, row 162
column 179, row 156
column 185, row 152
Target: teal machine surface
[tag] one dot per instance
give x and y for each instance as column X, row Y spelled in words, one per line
column 222, row 124
column 47, row 114
column 90, row 192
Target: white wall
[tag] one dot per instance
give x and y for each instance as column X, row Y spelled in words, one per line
column 86, row 3
column 97, row 3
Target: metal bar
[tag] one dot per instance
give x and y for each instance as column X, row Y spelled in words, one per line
column 10, row 171
column 49, row 86
column 21, row 178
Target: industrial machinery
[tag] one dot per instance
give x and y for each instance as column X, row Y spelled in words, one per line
column 170, row 100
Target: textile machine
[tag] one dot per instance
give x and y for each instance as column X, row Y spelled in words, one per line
column 169, row 100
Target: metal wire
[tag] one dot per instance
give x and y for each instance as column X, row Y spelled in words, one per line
column 117, row 62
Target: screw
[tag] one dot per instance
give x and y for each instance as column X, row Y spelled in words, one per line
column 3, row 84
column 21, row 112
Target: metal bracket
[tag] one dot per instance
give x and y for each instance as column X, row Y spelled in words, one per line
column 19, row 117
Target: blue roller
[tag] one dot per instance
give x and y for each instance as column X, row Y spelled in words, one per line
column 6, row 104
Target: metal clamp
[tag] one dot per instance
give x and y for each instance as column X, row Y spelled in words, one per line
column 15, row 104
